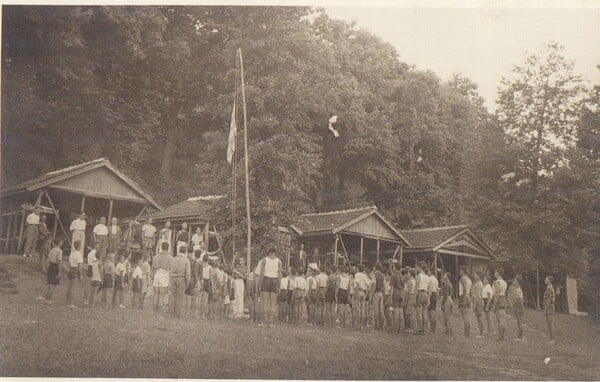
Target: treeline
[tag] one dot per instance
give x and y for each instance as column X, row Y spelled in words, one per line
column 152, row 88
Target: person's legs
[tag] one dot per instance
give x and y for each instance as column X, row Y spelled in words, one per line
column 180, row 295
column 49, row 292
column 70, row 282
column 480, row 323
column 272, row 309
column 519, row 317
column 550, row 322
column 447, row 309
column 265, row 308
column 488, row 318
column 500, row 318
column 172, row 296
column 30, row 240
column 432, row 320
column 464, row 311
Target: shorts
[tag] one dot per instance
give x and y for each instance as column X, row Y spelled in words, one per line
column 311, row 296
column 422, row 299
column 343, row 296
column 487, row 306
column 107, row 281
column 320, row 295
column 282, row 297
column 397, row 298
column 433, row 299
column 362, row 295
column 269, row 284
column 298, row 300
column 330, row 295
column 191, row 289
column 206, row 285
column 73, row 273
column 478, row 306
column 290, row 296
column 52, row 277
column 148, row 242
column 464, row 302
column 500, row 303
column 118, row 283
column 161, row 278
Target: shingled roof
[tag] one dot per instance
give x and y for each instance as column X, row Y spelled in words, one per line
column 60, row 175
column 333, row 222
column 432, row 237
column 200, row 206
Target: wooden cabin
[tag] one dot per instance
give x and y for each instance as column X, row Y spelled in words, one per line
column 97, row 188
column 357, row 236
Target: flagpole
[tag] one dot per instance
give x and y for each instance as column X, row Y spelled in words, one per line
column 249, row 229
column 234, row 169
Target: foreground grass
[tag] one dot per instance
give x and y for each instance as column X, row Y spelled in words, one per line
column 54, row 341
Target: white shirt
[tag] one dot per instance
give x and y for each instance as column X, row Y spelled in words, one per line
column 206, row 272
column 113, row 229
column 300, row 283
column 91, row 257
column 272, row 267
column 422, row 281
column 487, row 291
column 283, row 284
column 500, row 287
column 362, row 281
column 95, row 269
column 121, row 269
column 101, row 229
column 148, row 230
column 138, row 273
column 197, row 238
column 78, row 225
column 311, row 282
column 434, row 285
column 344, row 282
column 322, row 280
column 33, row 219
column 466, row 280
column 75, row 258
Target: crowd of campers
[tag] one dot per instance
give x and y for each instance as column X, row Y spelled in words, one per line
column 175, row 273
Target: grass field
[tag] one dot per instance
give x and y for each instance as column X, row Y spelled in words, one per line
column 54, row 341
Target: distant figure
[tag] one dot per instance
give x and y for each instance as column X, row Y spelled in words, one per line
column 53, row 272
column 487, row 294
column 75, row 271
column 78, row 231
column 313, row 260
column 108, row 278
column 161, row 265
column 378, row 291
column 410, row 293
column 464, row 298
column 100, row 233
column 92, row 254
column 46, row 239
column 197, row 239
column 148, row 237
column 178, row 281
column 182, row 237
column 447, row 304
column 239, row 275
column 343, row 295
column 114, row 236
column 31, row 232
column 269, row 281
column 518, row 305
column 500, row 303
column 422, row 299
column 549, row 306
column 476, row 294
column 434, row 287
column 397, row 284
column 165, row 236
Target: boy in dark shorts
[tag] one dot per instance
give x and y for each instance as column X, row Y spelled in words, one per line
column 75, row 271
column 282, row 299
column 321, row 280
column 397, row 284
column 108, row 278
column 53, row 269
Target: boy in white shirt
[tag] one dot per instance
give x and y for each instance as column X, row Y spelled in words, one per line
column 311, row 285
column 298, row 297
column 75, row 271
column 137, row 284
column 284, row 285
column 88, row 274
column 487, row 295
column 121, row 270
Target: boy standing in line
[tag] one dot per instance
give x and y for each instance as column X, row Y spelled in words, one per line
column 500, row 303
column 464, row 298
column 518, row 305
column 447, row 304
column 434, row 286
column 476, row 292
column 75, row 271
column 549, row 305
column 487, row 294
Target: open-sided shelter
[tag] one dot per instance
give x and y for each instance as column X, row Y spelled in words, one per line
column 97, row 188
column 360, row 235
column 448, row 248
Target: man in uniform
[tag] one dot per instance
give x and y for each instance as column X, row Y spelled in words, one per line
column 148, row 236
column 31, row 232
column 100, row 233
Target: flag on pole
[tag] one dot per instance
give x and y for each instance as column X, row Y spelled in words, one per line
column 232, row 136
column 333, row 120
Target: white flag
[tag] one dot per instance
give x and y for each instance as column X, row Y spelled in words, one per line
column 333, row 120
column 232, row 136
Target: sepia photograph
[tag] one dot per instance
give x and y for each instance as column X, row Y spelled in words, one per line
column 300, row 191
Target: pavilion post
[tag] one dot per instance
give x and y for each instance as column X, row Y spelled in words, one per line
column 8, row 230
column 110, row 210
column 55, row 226
column 470, row 262
column 377, row 250
column 435, row 263
column 21, row 229
column 15, row 228
column 82, row 203
column 344, row 249
column 335, row 259
column 537, row 287
column 401, row 254
column 362, row 243
column 38, row 200
column 456, row 264
column 57, row 216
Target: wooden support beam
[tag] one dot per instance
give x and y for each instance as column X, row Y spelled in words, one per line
column 21, row 229
column 335, row 258
column 82, row 204
column 15, row 228
column 38, row 200
column 401, row 254
column 55, row 226
column 8, row 231
column 377, row 250
column 435, row 263
column 441, row 262
column 110, row 211
column 345, row 251
column 362, row 243
column 67, row 236
column 140, row 214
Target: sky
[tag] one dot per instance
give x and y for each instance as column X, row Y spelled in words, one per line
column 482, row 43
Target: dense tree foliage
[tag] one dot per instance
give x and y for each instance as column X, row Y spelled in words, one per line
column 152, row 89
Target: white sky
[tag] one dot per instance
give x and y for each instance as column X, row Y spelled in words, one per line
column 482, row 43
